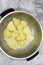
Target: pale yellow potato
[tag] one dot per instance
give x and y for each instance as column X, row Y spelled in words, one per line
column 15, row 46
column 22, row 43
column 11, row 26
column 20, row 37
column 16, row 31
column 30, row 37
column 6, row 33
column 26, row 30
column 12, row 43
column 15, row 34
column 23, row 23
column 21, row 26
column 16, row 21
column 19, row 29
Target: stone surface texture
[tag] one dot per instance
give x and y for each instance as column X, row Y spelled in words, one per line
column 34, row 7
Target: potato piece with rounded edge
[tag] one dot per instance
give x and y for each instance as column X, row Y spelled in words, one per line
column 30, row 37
column 20, row 37
column 6, row 33
column 26, row 30
column 15, row 46
column 22, row 43
column 23, row 23
column 11, row 26
column 16, row 21
column 12, row 43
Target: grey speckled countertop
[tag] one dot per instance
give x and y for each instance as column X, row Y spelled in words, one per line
column 34, row 7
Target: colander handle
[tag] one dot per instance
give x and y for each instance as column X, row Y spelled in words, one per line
column 6, row 12
column 32, row 57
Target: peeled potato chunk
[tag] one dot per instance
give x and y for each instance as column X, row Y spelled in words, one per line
column 30, row 37
column 15, row 46
column 22, row 43
column 16, row 21
column 19, row 29
column 7, row 33
column 15, row 34
column 21, row 37
column 12, row 43
column 11, row 26
column 26, row 30
column 23, row 23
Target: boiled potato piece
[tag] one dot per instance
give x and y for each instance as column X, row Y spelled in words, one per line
column 16, row 21
column 16, row 31
column 26, row 30
column 22, row 43
column 23, row 23
column 21, row 26
column 15, row 46
column 15, row 34
column 7, row 33
column 11, row 26
column 12, row 43
column 21, row 37
column 30, row 37
column 19, row 29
